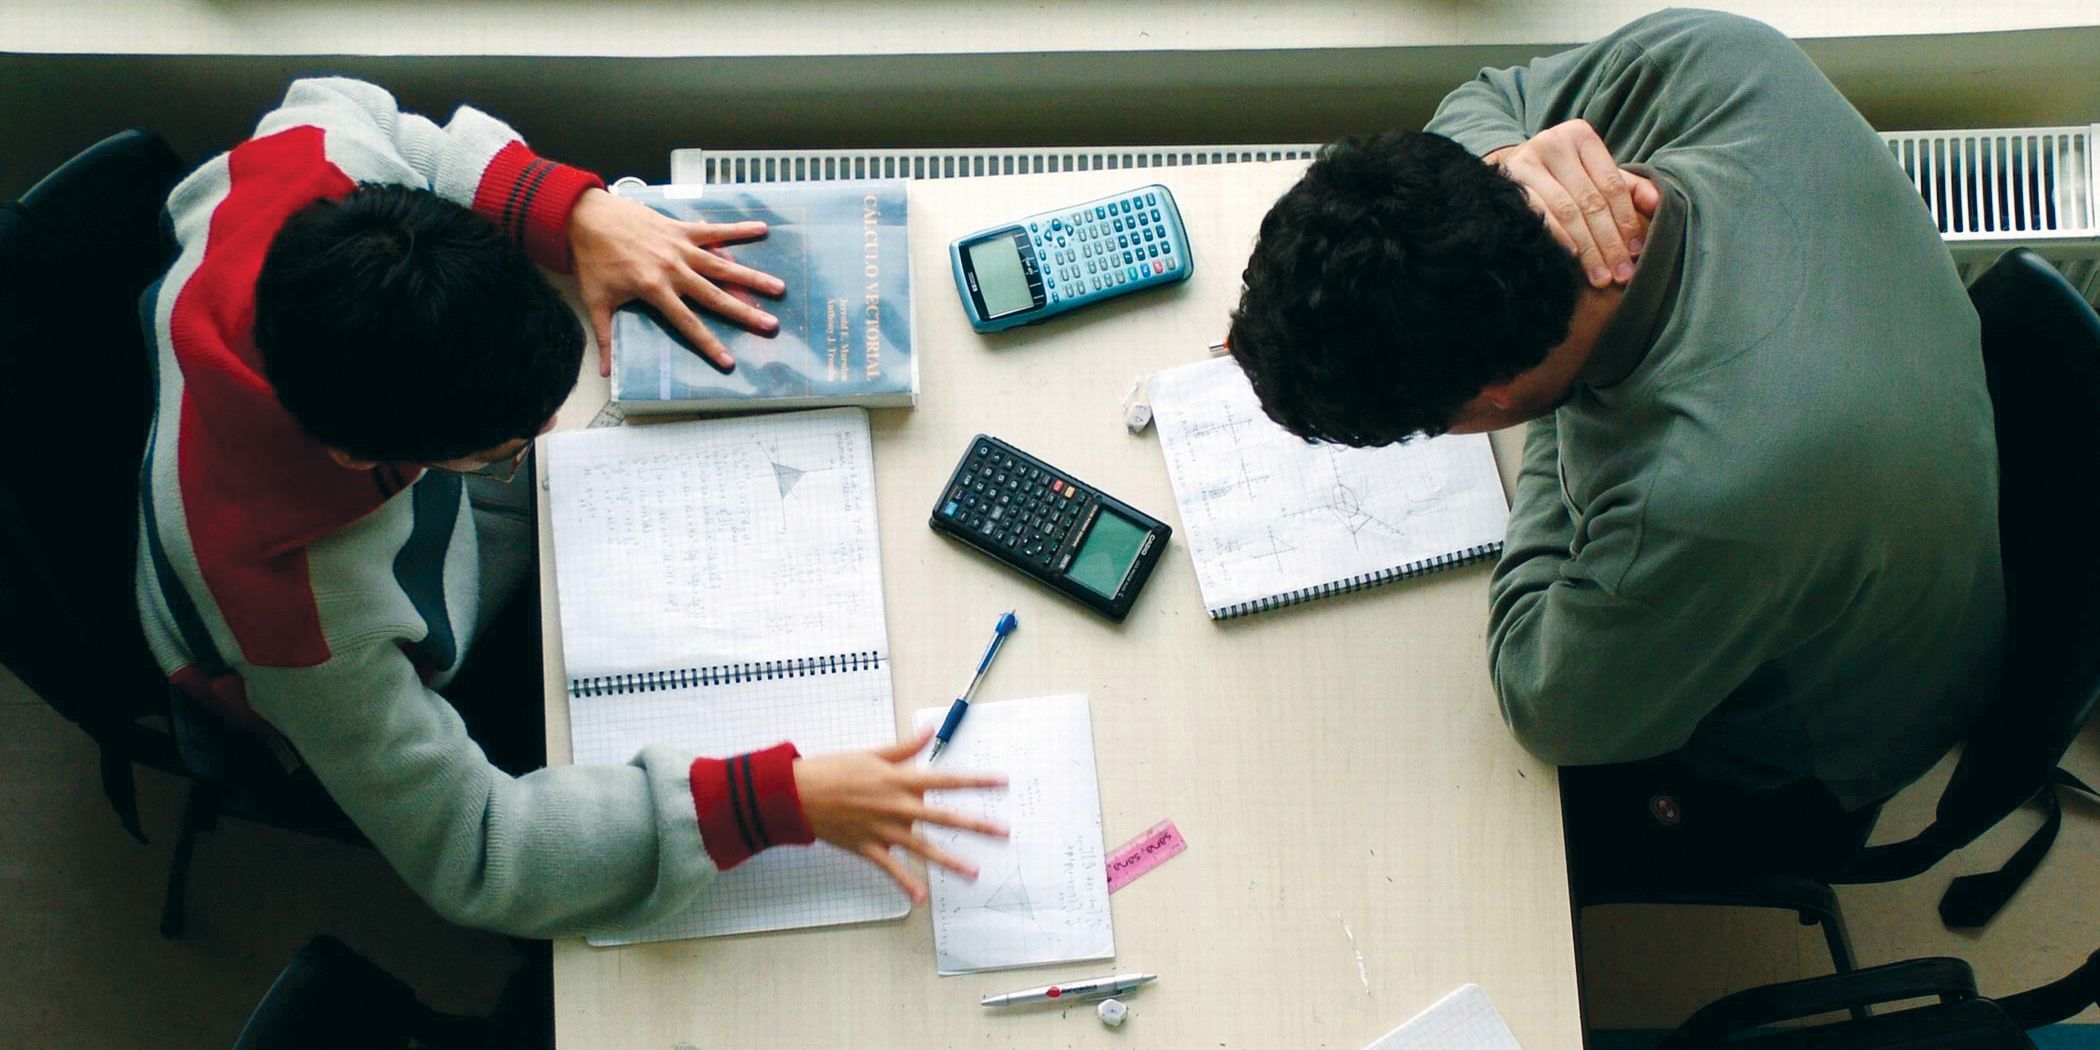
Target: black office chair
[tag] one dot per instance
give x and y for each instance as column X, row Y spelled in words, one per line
column 1957, row 1019
column 2041, row 350
column 331, row 998
column 78, row 250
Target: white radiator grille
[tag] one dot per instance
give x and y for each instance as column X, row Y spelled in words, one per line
column 807, row 165
column 1991, row 189
column 1988, row 189
column 1998, row 183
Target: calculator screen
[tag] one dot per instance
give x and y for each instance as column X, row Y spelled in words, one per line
column 1000, row 278
column 1106, row 556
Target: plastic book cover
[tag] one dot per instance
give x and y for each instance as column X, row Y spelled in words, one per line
column 846, row 334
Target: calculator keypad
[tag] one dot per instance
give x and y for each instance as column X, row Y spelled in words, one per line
column 1012, row 503
column 1103, row 246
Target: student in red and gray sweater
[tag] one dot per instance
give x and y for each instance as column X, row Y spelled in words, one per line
column 354, row 321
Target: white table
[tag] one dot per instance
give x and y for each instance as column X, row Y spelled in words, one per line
column 1364, row 835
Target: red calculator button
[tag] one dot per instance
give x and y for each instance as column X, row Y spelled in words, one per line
column 1057, row 485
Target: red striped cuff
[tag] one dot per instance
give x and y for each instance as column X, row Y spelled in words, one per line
column 530, row 198
column 748, row 803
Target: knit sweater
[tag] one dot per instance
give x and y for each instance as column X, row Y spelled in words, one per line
column 335, row 603
column 1763, row 533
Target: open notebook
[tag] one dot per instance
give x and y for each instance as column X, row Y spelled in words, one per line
column 721, row 590
column 1271, row 520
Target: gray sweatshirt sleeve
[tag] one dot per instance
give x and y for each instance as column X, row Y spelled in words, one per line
column 555, row 851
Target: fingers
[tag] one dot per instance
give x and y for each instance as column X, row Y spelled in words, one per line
column 1583, row 210
column 934, row 854
column 720, row 268
column 723, row 232
column 904, row 749
column 1646, row 197
column 1626, row 223
column 951, row 819
column 947, row 781
column 601, row 329
column 674, row 309
column 898, row 873
column 1552, row 224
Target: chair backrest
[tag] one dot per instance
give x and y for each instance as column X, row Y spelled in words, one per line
column 79, row 249
column 1757, row 1018
column 2041, row 352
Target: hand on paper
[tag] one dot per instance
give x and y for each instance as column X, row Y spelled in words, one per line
column 625, row 251
column 864, row 802
column 1596, row 210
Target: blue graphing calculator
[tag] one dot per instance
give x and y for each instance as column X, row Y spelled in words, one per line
column 1023, row 272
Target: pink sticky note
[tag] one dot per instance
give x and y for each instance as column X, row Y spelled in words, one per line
column 1143, row 853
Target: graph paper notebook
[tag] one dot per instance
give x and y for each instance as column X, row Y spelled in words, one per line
column 1463, row 1020
column 721, row 590
column 1272, row 521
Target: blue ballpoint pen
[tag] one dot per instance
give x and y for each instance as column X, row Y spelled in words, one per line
column 1007, row 623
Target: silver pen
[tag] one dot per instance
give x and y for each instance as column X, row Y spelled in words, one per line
column 1089, row 988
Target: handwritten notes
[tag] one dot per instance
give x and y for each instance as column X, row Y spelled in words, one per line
column 1143, row 853
column 1039, row 896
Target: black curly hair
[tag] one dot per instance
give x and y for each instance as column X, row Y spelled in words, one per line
column 397, row 325
column 1394, row 281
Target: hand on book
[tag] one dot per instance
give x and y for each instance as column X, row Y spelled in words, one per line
column 625, row 250
column 864, row 802
column 1596, row 210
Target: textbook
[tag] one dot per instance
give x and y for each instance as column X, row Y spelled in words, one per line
column 846, row 332
column 720, row 588
column 1271, row 520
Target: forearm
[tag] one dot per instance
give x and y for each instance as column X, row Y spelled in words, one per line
column 473, row 159
column 556, row 851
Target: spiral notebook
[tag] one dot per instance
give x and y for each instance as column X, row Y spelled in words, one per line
column 720, row 586
column 1272, row 521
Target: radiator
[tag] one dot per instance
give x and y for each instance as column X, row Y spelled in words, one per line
column 1988, row 189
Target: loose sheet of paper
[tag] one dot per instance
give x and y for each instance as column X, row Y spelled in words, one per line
column 1266, row 515
column 1041, row 895
column 1463, row 1020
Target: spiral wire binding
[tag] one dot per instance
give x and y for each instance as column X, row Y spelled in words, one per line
column 724, row 674
column 1358, row 582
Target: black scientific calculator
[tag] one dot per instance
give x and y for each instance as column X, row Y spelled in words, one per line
column 1074, row 538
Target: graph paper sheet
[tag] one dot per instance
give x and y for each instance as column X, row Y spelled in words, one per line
column 1271, row 520
column 1041, row 894
column 1463, row 1020
column 721, row 591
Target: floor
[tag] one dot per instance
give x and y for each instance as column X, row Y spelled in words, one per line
column 80, row 907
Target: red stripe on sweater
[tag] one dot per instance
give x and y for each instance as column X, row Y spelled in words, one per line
column 778, row 817
column 256, row 489
column 530, row 200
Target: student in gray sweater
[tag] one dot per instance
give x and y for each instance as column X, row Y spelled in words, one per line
column 1752, row 564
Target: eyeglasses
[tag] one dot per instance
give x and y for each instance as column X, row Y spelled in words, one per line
column 501, row 471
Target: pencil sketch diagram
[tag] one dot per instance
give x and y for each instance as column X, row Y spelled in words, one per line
column 785, row 475
column 1011, row 898
column 1346, row 505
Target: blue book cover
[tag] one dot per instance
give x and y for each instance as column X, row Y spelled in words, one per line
column 845, row 333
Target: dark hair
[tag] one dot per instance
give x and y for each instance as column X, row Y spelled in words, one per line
column 397, row 325
column 1394, row 281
